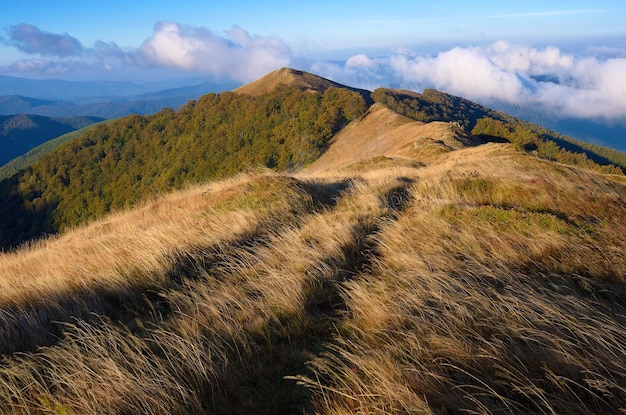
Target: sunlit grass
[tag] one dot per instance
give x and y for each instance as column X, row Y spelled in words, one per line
column 484, row 281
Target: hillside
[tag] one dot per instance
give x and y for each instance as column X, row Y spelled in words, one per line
column 119, row 163
column 610, row 133
column 20, row 133
column 33, row 155
column 490, row 125
column 283, row 121
column 384, row 133
column 478, row 279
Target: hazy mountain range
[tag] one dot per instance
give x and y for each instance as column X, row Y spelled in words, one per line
column 110, row 100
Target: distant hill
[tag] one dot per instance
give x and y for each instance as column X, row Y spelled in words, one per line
column 284, row 121
column 21, row 133
column 599, row 132
column 56, row 89
column 17, row 104
column 112, row 107
column 30, row 157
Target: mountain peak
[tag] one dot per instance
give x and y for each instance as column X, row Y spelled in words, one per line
column 292, row 77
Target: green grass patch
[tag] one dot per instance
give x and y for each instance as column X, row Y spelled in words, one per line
column 510, row 221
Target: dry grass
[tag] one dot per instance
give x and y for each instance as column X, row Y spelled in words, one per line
column 484, row 282
column 384, row 133
column 287, row 76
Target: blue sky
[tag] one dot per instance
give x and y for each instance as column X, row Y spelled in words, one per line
column 484, row 49
column 328, row 25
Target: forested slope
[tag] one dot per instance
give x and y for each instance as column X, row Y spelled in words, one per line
column 22, row 132
column 122, row 162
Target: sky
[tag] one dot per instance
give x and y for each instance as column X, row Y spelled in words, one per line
column 569, row 56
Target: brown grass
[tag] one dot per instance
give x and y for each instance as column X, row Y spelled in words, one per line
column 287, row 76
column 485, row 281
column 384, row 133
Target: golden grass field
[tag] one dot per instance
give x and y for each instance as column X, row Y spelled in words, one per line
column 415, row 274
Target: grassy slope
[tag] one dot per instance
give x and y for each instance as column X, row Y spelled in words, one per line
column 482, row 280
column 433, row 105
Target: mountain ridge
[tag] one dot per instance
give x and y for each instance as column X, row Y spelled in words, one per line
column 365, row 262
column 382, row 132
column 287, row 121
column 295, row 78
column 109, row 107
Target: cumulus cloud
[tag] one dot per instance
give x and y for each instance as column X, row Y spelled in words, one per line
column 238, row 55
column 362, row 61
column 30, row 39
column 461, row 71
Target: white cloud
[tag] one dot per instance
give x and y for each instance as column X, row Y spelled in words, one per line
column 238, row 56
column 361, row 61
column 461, row 71
column 30, row 39
column 527, row 59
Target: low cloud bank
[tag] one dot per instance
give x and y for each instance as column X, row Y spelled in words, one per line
column 584, row 87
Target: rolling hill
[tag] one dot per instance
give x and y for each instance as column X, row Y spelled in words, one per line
column 21, row 133
column 391, row 266
column 283, row 121
column 30, row 157
column 110, row 106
